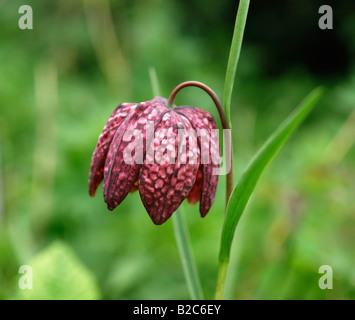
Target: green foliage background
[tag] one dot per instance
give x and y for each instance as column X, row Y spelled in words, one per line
column 59, row 83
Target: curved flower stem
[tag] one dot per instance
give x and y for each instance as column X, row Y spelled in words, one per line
column 222, row 116
column 207, row 89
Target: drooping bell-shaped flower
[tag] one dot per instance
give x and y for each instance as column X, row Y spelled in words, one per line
column 167, row 154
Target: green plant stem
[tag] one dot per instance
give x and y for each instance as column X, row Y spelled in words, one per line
column 232, row 65
column 180, row 229
column 186, row 256
column 229, row 182
column 221, row 279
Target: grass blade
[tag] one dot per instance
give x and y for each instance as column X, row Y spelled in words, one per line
column 246, row 184
column 234, row 54
column 186, row 256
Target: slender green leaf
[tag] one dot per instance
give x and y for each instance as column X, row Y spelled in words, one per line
column 246, row 184
column 234, row 54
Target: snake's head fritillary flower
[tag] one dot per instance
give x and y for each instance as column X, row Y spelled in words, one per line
column 164, row 153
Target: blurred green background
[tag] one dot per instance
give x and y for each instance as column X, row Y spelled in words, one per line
column 60, row 82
